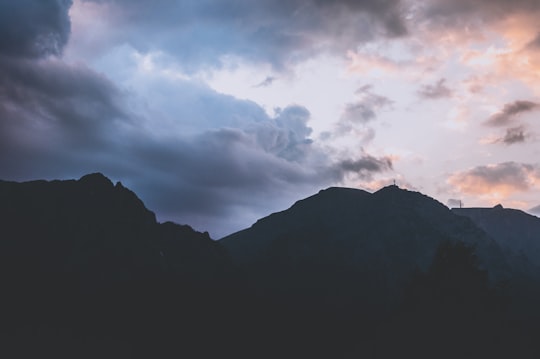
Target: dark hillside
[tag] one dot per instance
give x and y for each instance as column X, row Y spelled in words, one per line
column 87, row 271
column 343, row 264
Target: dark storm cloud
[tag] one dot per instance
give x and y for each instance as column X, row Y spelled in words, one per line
column 220, row 161
column 277, row 32
column 460, row 12
column 32, row 28
column 62, row 121
column 435, row 91
column 50, row 112
column 47, row 98
column 510, row 111
column 210, row 178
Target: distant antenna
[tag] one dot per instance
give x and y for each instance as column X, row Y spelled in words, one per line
column 394, row 181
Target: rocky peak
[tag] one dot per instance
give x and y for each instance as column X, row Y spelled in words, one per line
column 97, row 180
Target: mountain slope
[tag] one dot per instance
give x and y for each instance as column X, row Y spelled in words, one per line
column 86, row 271
column 513, row 230
column 90, row 226
column 391, row 228
column 345, row 258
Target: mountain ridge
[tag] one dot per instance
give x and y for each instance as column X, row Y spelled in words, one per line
column 513, row 229
column 87, row 270
column 84, row 261
column 336, row 210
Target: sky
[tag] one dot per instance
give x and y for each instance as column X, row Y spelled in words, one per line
column 219, row 112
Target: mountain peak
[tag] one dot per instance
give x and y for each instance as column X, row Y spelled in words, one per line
column 340, row 191
column 391, row 187
column 391, row 190
column 96, row 179
column 359, row 225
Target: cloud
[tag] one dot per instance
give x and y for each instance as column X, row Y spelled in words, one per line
column 364, row 167
column 47, row 101
column 514, row 135
column 474, row 13
column 436, row 91
column 356, row 115
column 206, row 158
column 201, row 33
column 535, row 43
column 365, row 108
column 510, row 111
column 210, row 160
column 223, row 180
column 33, row 28
column 500, row 179
column 268, row 81
column 287, row 135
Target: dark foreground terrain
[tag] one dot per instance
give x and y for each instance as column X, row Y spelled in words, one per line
column 88, row 272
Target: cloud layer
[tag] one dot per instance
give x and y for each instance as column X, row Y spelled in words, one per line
column 124, row 87
column 208, row 159
column 34, row 28
column 200, row 33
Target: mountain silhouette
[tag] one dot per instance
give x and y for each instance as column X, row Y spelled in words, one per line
column 94, row 228
column 87, row 271
column 518, row 233
column 84, row 261
column 348, row 258
column 514, row 230
column 391, row 231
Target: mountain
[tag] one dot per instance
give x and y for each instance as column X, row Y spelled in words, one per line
column 87, row 271
column 512, row 229
column 93, row 228
column 518, row 233
column 395, row 229
column 402, row 270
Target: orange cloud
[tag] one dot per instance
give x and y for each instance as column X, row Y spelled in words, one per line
column 515, row 57
column 496, row 180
